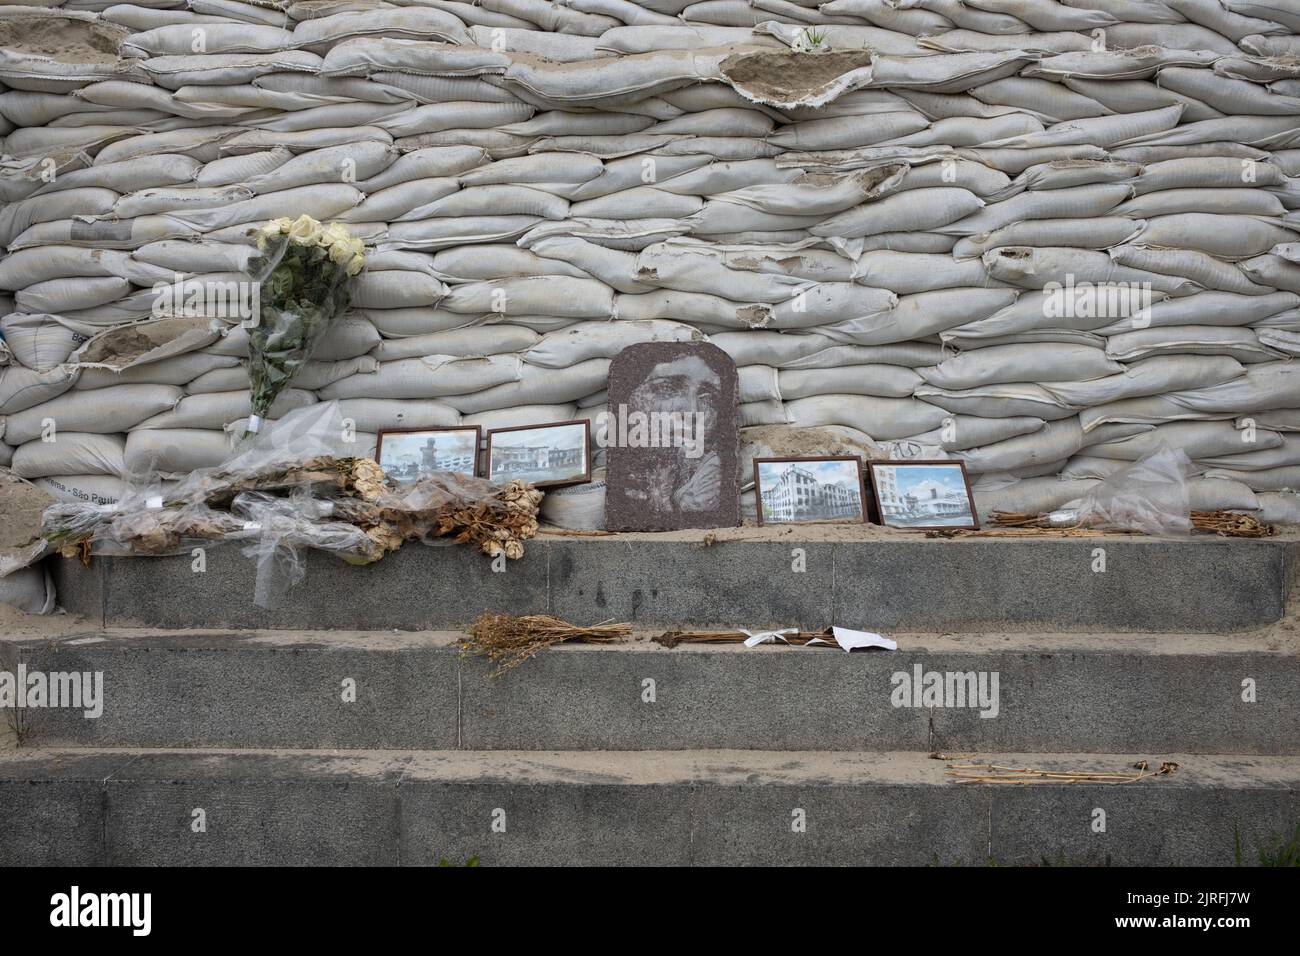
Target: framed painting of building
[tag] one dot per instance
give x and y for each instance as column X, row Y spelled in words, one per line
column 795, row 490
column 923, row 495
column 406, row 454
column 543, row 455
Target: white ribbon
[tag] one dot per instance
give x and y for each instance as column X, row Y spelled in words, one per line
column 753, row 639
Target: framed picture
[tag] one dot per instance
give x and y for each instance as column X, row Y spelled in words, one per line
column 794, row 490
column 406, row 454
column 923, row 495
column 542, row 455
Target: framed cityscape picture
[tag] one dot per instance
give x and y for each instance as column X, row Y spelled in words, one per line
column 795, row 490
column 409, row 453
column 542, row 455
column 923, row 495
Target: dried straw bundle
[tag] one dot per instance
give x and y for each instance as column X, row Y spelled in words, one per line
column 511, row 640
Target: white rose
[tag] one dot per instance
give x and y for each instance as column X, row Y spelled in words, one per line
column 335, row 233
column 305, row 229
column 356, row 264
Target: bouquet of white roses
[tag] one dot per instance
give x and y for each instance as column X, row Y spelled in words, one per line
column 304, row 289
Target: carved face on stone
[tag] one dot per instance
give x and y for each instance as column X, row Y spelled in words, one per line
column 686, row 386
column 688, row 391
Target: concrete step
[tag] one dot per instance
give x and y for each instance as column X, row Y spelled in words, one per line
column 1103, row 692
column 848, row 575
column 126, row 807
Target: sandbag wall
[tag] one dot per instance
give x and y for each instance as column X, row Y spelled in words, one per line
column 1039, row 236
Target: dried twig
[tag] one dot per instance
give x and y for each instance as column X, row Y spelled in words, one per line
column 673, row 638
column 1225, row 523
column 511, row 640
column 999, row 774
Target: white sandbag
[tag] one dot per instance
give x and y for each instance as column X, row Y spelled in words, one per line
column 1279, row 507
column 886, row 381
column 67, row 295
column 1101, row 232
column 29, row 589
column 1050, row 99
column 1013, row 162
column 962, row 432
column 174, row 72
column 918, row 209
column 1139, row 63
column 196, row 257
column 208, row 39
column 1028, row 495
column 17, row 217
column 101, row 411
column 533, row 295
column 537, row 386
column 579, row 507
column 467, row 342
column 376, row 414
column 1279, row 342
column 237, row 169
column 588, row 340
column 441, row 233
column 1283, row 455
column 1269, row 10
column 1273, row 271
column 1215, row 491
column 1224, row 202
column 395, row 290
column 881, row 418
column 178, row 370
column 84, row 489
column 906, row 273
column 215, row 410
column 409, row 23
column 1206, row 308
column 1064, row 269
column 471, row 263
column 846, row 132
column 1153, row 376
column 1013, row 363
column 75, row 453
column 349, row 337
column 430, row 376
column 41, row 341
column 494, row 200
column 1242, row 344
column 1009, row 399
column 1078, row 202
column 1053, row 442
column 641, row 202
column 1202, row 268
column 175, row 452
column 522, row 415
column 22, row 388
column 919, row 316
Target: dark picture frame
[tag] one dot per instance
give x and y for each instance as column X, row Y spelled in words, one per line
column 508, row 474
column 857, row 517
column 885, row 503
column 393, row 432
